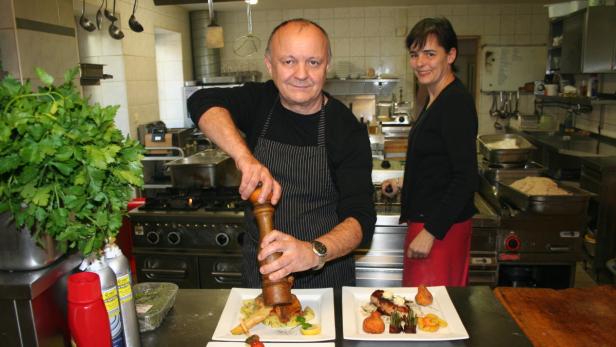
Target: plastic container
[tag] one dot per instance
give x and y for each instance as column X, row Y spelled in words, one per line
column 153, row 301
column 87, row 316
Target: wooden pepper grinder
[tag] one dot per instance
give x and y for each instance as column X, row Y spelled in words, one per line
column 274, row 292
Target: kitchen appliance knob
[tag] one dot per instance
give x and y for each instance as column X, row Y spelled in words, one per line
column 385, row 164
column 401, row 119
column 153, row 237
column 174, row 238
column 222, row 239
column 512, row 243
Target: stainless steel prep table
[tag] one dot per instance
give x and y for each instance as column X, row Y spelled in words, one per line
column 194, row 317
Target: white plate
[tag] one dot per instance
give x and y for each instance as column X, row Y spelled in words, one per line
column 282, row 344
column 320, row 300
column 352, row 316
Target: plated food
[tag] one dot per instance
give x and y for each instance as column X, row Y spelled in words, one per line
column 305, row 320
column 400, row 314
column 254, row 311
column 395, row 314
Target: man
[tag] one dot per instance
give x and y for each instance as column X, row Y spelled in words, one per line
column 304, row 147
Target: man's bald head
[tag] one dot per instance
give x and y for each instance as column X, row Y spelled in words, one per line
column 302, row 22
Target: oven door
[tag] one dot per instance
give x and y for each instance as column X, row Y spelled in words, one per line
column 177, row 268
column 220, row 270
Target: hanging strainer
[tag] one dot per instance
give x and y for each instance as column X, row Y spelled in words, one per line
column 247, row 44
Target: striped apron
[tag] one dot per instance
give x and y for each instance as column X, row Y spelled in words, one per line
column 306, row 210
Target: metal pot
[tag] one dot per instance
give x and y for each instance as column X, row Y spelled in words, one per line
column 206, row 169
column 18, row 251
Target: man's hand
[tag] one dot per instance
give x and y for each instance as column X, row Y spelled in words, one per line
column 253, row 173
column 421, row 245
column 296, row 255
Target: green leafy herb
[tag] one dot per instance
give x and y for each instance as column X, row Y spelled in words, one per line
column 302, row 322
column 65, row 168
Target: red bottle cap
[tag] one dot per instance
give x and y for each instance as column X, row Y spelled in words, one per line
column 84, row 287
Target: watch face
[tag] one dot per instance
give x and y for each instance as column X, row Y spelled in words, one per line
column 320, row 248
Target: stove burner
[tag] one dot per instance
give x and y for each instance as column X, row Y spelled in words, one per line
column 212, row 199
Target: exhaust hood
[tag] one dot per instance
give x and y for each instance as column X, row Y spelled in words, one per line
column 186, row 2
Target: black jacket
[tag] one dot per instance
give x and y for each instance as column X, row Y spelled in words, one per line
column 440, row 173
column 346, row 139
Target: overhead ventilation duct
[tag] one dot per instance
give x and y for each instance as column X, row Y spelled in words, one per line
column 206, row 61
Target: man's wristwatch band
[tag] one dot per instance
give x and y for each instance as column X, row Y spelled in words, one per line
column 321, row 251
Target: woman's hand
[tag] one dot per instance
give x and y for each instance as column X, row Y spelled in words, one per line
column 391, row 187
column 421, row 245
column 297, row 255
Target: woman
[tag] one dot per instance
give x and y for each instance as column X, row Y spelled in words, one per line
column 440, row 175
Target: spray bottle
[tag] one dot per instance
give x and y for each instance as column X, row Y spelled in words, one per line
column 110, row 296
column 120, row 266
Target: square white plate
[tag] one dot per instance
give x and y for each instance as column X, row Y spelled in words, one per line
column 270, row 344
column 352, row 315
column 320, row 300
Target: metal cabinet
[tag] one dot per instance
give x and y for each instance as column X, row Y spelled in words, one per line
column 588, row 41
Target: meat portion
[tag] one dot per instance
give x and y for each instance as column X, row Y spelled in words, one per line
column 386, row 306
column 286, row 312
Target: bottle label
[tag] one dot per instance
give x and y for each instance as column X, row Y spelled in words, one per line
column 124, row 289
column 110, row 297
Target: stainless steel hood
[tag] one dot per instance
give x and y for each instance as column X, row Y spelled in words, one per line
column 185, row 2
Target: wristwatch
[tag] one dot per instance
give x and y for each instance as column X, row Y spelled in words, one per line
column 321, row 251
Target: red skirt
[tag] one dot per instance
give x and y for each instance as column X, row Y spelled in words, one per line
column 447, row 263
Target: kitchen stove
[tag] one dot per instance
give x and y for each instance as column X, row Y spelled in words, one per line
column 532, row 249
column 189, row 237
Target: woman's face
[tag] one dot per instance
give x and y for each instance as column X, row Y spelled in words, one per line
column 431, row 63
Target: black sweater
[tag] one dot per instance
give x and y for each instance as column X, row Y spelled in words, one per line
column 346, row 139
column 440, row 173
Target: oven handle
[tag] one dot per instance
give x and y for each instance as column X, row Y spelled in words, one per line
column 164, row 271
column 558, row 248
column 227, row 274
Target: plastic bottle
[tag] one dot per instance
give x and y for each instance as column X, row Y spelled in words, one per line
column 87, row 316
column 110, row 297
column 120, row 266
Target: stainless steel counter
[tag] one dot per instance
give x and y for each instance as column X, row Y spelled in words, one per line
column 195, row 315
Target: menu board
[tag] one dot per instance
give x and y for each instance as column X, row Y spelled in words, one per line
column 510, row 67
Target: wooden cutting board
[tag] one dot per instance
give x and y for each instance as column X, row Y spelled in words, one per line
column 568, row 317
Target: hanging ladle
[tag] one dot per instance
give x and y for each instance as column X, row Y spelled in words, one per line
column 84, row 21
column 132, row 21
column 109, row 15
column 115, row 31
column 99, row 15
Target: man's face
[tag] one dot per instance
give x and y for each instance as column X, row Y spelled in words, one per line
column 298, row 63
column 431, row 63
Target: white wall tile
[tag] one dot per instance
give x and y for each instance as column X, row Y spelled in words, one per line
column 292, row 13
column 356, row 12
column 312, row 14
column 274, row 15
column 342, row 28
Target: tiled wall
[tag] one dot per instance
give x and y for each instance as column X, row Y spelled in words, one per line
column 23, row 49
column 98, row 47
column 138, row 53
column 373, row 37
column 170, row 79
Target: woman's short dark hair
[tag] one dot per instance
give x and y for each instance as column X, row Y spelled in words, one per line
column 440, row 27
